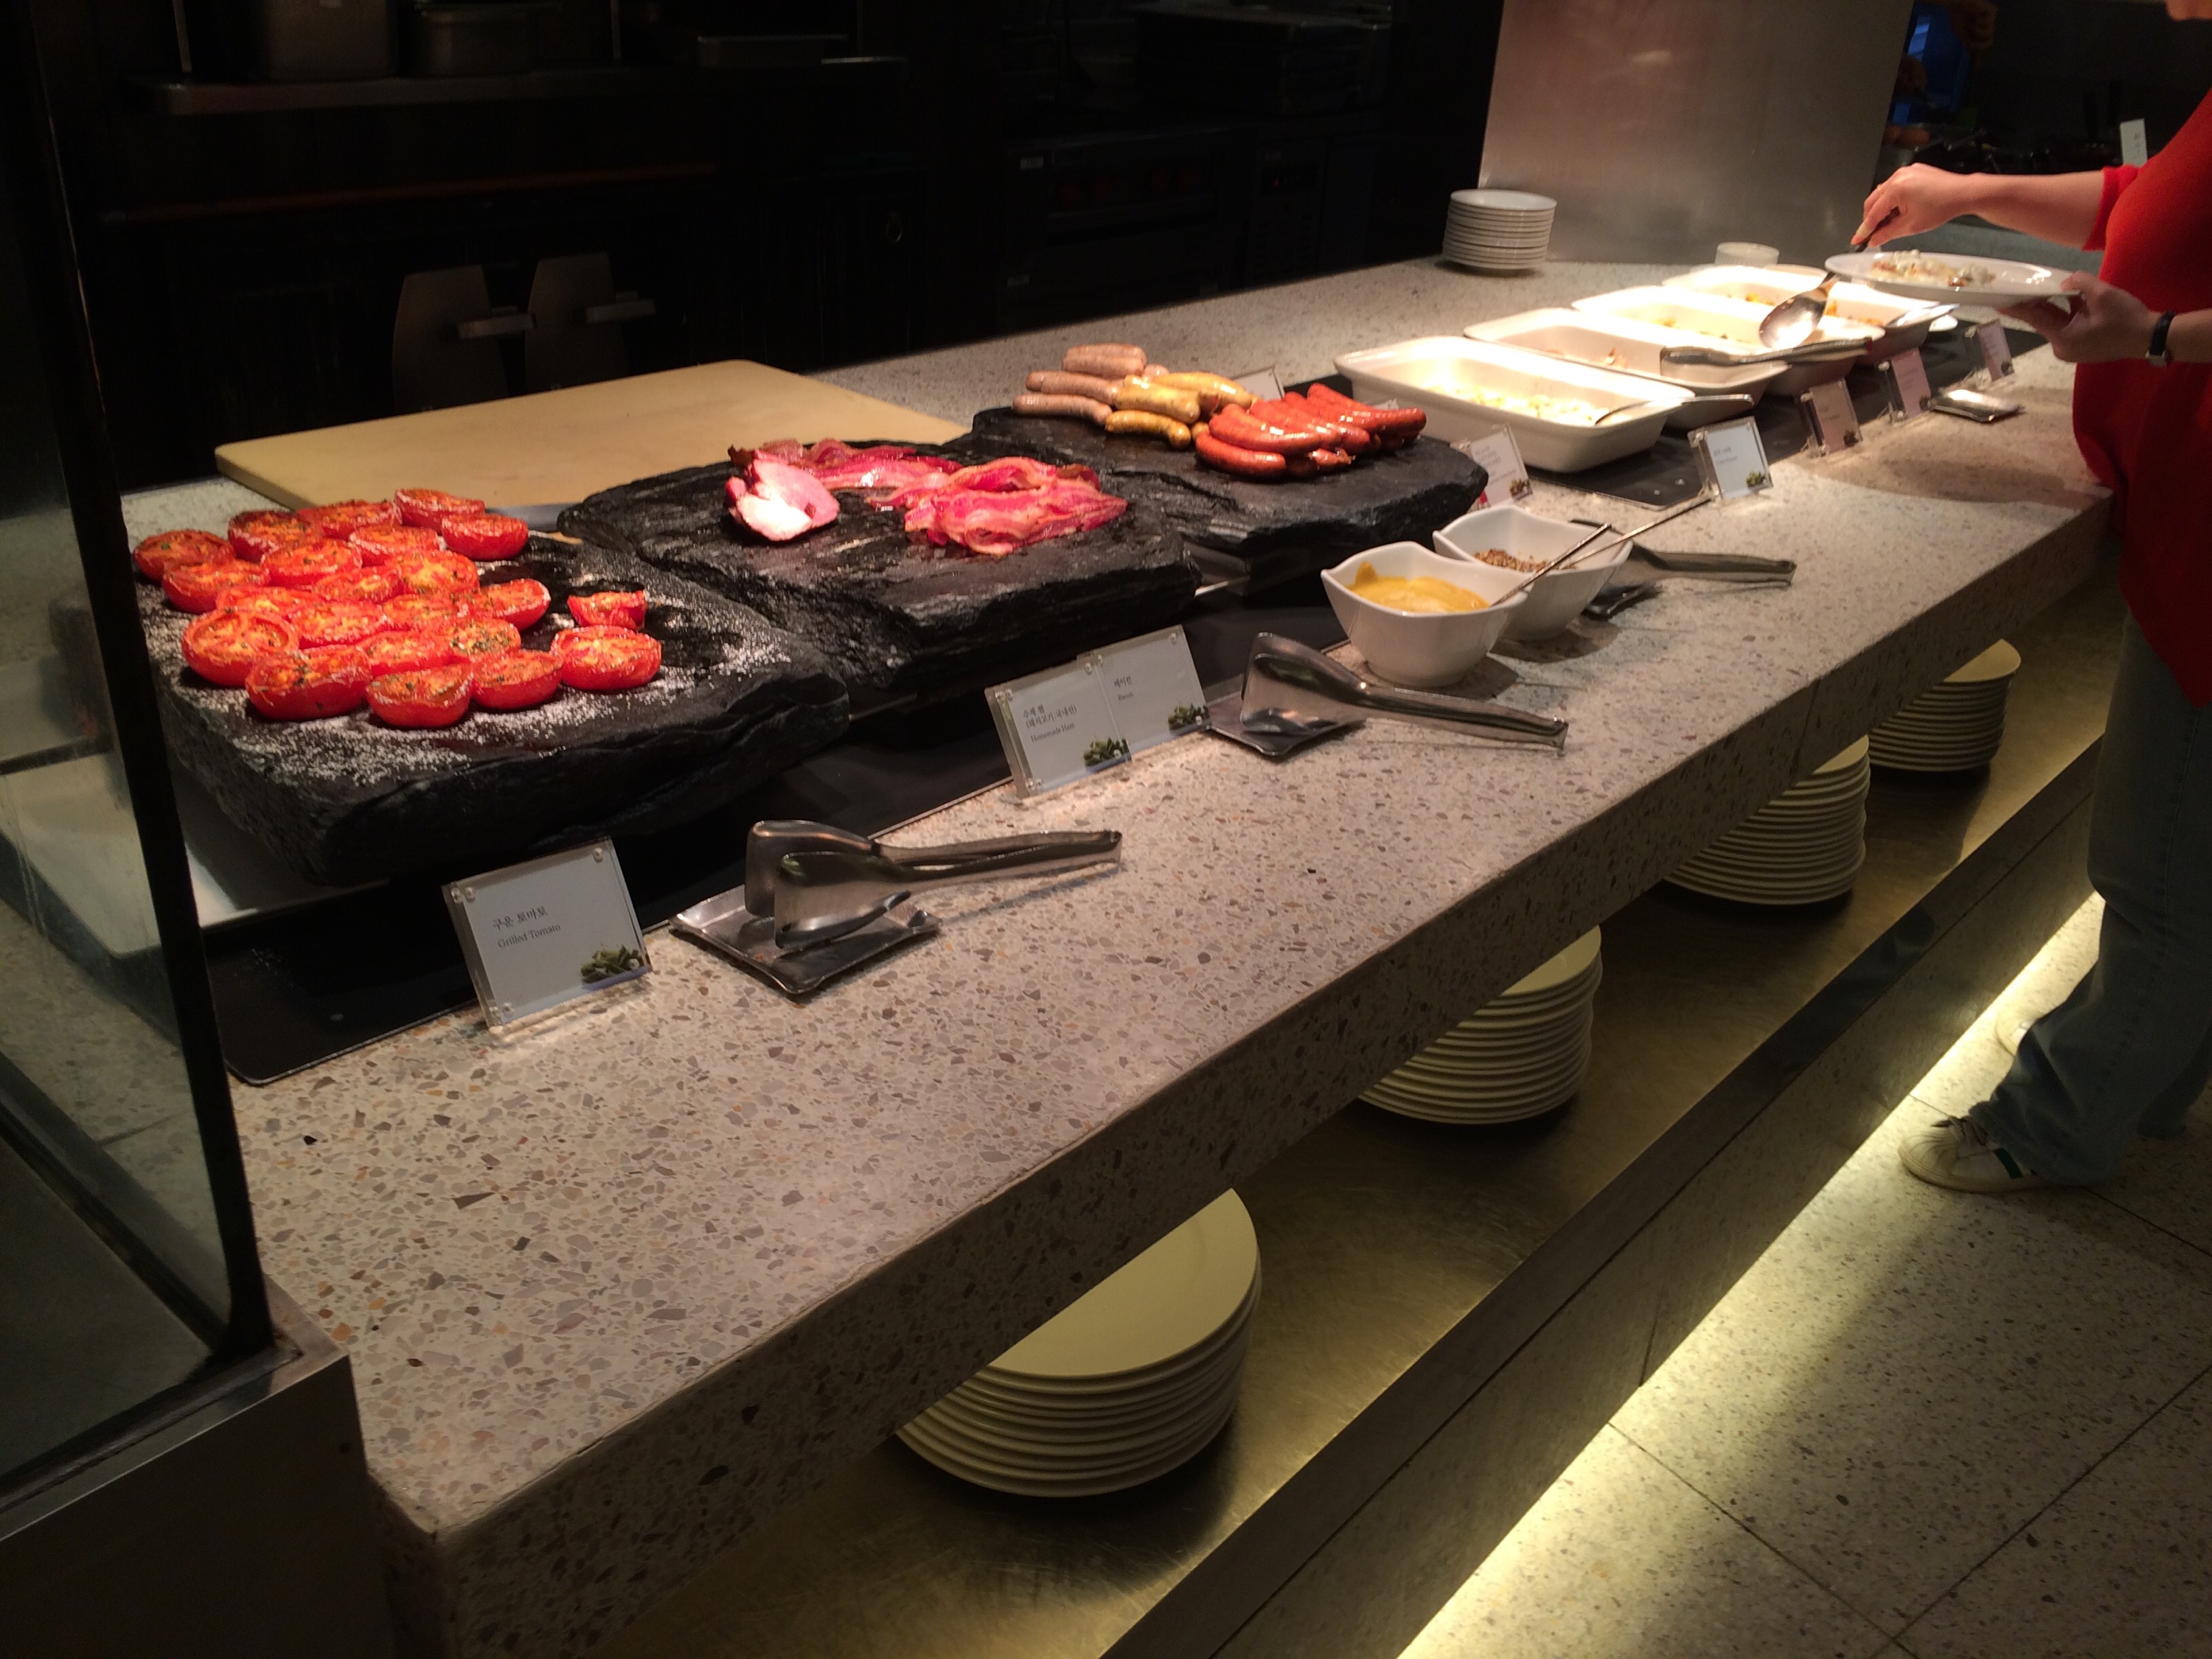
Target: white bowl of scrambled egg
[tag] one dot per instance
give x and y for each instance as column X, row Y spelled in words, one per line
column 1421, row 619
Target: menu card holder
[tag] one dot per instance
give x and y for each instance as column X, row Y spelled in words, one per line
column 1732, row 460
column 1498, row 454
column 1996, row 350
column 1152, row 685
column 1909, row 388
column 542, row 934
column 1830, row 417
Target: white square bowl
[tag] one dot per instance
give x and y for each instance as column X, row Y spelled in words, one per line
column 1408, row 648
column 1553, row 601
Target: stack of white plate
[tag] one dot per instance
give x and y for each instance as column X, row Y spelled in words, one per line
column 1522, row 1054
column 1803, row 846
column 1955, row 726
column 1499, row 229
column 1133, row 1379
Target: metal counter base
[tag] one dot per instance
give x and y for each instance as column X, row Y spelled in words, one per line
column 1450, row 1314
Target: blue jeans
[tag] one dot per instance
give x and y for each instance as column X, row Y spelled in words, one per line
column 2131, row 1051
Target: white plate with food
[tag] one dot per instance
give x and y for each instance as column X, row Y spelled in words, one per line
column 1956, row 279
column 1565, row 416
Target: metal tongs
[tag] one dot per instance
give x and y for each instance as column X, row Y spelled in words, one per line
column 819, row 901
column 821, row 884
column 1293, row 690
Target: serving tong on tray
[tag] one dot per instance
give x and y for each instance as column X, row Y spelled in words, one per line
column 1293, row 696
column 819, row 901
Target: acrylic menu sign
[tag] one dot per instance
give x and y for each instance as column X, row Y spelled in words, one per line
column 1497, row 455
column 1908, row 380
column 1152, row 686
column 1057, row 726
column 540, row 934
column 1996, row 349
column 1732, row 458
column 1834, row 421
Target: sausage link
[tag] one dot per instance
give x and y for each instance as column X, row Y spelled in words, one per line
column 1096, row 388
column 1245, row 463
column 1062, row 404
column 1143, row 423
column 1331, row 460
column 1138, row 393
column 1236, row 427
column 1108, row 362
column 1220, row 387
column 1154, row 371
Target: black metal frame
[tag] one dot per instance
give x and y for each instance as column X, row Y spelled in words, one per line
column 28, row 153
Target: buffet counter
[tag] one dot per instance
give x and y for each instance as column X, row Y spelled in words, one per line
column 618, row 1290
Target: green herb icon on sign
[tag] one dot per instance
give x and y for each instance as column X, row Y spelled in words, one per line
column 1104, row 750
column 611, row 963
column 1186, row 715
column 1756, row 481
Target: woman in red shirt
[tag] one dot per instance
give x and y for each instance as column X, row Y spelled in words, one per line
column 2131, row 1051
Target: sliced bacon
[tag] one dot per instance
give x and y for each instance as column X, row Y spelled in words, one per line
column 997, row 522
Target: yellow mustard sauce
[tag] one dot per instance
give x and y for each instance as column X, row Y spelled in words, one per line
column 1422, row 595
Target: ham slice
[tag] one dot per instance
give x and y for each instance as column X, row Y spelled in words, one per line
column 778, row 500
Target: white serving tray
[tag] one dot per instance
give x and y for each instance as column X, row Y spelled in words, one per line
column 1722, row 325
column 1853, row 302
column 1439, row 372
column 1629, row 348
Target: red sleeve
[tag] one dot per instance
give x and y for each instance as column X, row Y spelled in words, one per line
column 2116, row 180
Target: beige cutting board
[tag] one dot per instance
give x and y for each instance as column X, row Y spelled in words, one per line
column 562, row 445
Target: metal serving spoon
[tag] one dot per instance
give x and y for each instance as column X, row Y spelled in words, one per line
column 1792, row 322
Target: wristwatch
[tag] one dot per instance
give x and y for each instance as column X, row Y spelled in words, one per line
column 2157, row 355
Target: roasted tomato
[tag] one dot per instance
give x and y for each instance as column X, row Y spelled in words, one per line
column 201, row 587
column 222, row 648
column 422, row 696
column 306, row 563
column 435, row 611
column 380, row 543
column 256, row 535
column 607, row 609
column 264, row 601
column 521, row 602
column 341, row 519
column 368, row 586
column 516, row 679
column 485, row 637
column 485, row 535
column 308, row 685
column 606, row 658
column 157, row 556
column 436, row 573
column 427, row 507
column 404, row 649
column 337, row 622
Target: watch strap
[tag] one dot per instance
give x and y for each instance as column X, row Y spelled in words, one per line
column 2158, row 330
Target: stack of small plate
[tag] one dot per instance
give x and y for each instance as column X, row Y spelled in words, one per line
column 1522, row 1056
column 1955, row 726
column 1133, row 1379
column 1499, row 229
column 1803, row 846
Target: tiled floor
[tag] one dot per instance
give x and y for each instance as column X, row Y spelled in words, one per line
column 1924, row 1424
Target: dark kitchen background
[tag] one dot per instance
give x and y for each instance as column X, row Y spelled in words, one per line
column 296, row 213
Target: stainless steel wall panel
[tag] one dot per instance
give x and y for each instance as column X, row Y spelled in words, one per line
column 1664, row 126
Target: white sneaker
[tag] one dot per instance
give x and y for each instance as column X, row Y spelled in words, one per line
column 1957, row 1153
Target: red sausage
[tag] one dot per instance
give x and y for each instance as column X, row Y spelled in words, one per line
column 1234, row 458
column 1235, row 425
column 1331, row 460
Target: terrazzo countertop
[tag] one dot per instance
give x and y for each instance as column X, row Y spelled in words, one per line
column 616, row 1289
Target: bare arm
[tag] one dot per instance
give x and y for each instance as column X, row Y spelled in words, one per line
column 2057, row 207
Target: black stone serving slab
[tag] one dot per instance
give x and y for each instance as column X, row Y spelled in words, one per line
column 349, row 800
column 893, row 614
column 1279, row 531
